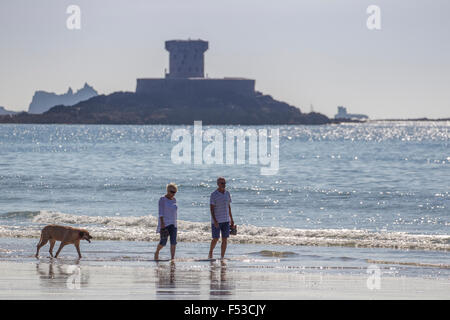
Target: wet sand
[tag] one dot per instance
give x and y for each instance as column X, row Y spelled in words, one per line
column 203, row 281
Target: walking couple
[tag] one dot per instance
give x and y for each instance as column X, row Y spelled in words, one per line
column 221, row 218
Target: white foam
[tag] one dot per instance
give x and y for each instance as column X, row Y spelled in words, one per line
column 143, row 229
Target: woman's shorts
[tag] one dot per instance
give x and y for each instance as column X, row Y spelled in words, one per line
column 172, row 234
column 224, row 228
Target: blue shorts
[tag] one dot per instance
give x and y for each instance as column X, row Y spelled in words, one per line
column 172, row 234
column 224, row 227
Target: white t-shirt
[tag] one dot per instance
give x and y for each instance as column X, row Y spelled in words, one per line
column 221, row 202
column 167, row 210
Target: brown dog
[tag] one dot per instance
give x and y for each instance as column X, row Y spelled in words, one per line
column 67, row 235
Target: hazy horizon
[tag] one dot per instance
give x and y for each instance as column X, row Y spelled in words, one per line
column 317, row 52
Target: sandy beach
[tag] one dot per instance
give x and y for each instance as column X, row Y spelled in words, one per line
column 208, row 280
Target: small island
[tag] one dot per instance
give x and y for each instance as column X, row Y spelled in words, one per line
column 183, row 96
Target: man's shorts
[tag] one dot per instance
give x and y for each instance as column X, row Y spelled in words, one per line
column 224, row 228
column 172, row 234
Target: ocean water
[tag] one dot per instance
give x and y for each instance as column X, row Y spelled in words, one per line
column 374, row 192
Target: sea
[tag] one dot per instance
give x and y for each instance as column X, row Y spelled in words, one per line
column 346, row 198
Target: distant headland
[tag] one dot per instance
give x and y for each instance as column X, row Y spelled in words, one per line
column 44, row 101
column 182, row 96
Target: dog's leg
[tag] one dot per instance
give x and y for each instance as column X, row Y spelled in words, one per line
column 38, row 247
column 52, row 244
column 41, row 243
column 60, row 248
column 77, row 245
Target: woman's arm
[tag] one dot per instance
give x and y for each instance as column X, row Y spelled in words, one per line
column 161, row 212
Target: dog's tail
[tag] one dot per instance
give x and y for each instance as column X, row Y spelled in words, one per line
column 40, row 240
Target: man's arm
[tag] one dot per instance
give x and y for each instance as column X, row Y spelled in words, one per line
column 211, row 207
column 231, row 216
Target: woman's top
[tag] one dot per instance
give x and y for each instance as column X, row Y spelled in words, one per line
column 167, row 210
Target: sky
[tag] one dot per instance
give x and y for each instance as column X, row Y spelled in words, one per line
column 312, row 52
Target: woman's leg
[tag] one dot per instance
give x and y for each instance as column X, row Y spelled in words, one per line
column 158, row 248
column 172, row 250
column 162, row 244
column 173, row 240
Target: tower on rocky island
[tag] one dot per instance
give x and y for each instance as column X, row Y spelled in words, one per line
column 186, row 75
column 186, row 58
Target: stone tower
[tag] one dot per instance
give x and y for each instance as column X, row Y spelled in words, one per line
column 186, row 58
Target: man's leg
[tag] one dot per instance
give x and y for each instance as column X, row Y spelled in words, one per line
column 212, row 246
column 215, row 237
column 224, row 246
column 225, row 230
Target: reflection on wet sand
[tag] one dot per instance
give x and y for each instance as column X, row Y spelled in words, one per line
column 202, row 280
column 165, row 275
column 219, row 284
column 178, row 279
column 64, row 276
column 171, row 282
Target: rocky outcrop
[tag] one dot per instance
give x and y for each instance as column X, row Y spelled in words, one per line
column 132, row 108
column 43, row 101
column 3, row 111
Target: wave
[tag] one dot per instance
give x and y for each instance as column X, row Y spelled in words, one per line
column 143, row 229
column 414, row 264
column 273, row 253
column 19, row 214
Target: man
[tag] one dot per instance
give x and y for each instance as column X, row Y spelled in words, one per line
column 220, row 216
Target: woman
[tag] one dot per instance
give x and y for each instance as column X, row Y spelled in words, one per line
column 167, row 222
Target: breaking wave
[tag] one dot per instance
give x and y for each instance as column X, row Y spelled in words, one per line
column 143, row 229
